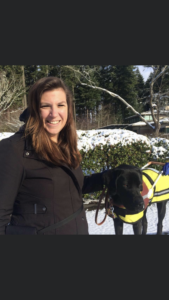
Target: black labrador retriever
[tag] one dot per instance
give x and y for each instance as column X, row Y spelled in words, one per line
column 125, row 185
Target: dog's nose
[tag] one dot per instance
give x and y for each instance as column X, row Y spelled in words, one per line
column 140, row 205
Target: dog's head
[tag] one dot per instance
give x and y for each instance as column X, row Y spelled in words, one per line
column 125, row 184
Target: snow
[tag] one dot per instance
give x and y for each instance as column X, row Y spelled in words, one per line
column 88, row 140
column 5, row 135
column 107, row 228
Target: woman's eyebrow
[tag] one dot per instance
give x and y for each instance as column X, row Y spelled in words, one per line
column 50, row 103
column 62, row 102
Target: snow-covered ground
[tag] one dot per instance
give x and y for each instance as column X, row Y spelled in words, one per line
column 5, row 135
column 89, row 139
column 108, row 227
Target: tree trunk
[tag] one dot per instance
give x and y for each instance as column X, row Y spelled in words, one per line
column 8, row 115
column 47, row 70
column 24, row 101
column 87, row 118
column 101, row 116
column 74, row 108
column 74, row 104
column 157, row 129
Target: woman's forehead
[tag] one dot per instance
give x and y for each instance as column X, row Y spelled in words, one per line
column 57, row 95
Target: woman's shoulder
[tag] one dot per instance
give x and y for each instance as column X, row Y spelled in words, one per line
column 16, row 141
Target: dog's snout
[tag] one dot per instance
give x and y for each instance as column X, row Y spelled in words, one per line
column 140, row 205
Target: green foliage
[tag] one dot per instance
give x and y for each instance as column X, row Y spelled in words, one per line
column 105, row 157
column 122, row 80
column 31, row 74
column 9, row 69
column 88, row 98
column 140, row 83
column 161, row 157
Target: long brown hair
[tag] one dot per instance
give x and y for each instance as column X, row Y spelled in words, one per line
column 65, row 151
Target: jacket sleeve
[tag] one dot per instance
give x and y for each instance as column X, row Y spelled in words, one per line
column 11, row 172
column 92, row 183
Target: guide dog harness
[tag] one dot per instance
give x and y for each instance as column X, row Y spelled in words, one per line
column 159, row 192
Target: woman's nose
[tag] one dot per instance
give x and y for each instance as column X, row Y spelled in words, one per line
column 54, row 112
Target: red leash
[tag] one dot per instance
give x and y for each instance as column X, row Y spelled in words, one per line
column 98, row 207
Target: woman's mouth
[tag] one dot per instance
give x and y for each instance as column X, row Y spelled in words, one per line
column 53, row 122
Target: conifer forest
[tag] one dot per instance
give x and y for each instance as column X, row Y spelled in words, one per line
column 93, row 107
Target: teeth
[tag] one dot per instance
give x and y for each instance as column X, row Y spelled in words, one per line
column 54, row 122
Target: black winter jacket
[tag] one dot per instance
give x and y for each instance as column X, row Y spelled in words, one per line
column 27, row 181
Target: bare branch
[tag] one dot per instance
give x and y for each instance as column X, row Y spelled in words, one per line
column 154, row 79
column 160, row 74
column 78, row 74
column 10, row 90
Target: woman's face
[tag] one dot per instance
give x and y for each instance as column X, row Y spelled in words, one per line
column 54, row 111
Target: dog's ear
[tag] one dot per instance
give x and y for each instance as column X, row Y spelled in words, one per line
column 109, row 179
column 140, row 173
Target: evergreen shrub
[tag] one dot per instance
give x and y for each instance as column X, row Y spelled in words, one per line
column 104, row 157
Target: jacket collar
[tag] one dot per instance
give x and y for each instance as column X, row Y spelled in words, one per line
column 28, row 144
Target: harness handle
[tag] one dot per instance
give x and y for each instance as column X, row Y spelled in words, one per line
column 154, row 163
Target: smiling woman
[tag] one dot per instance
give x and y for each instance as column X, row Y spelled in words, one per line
column 51, row 123
column 41, row 164
column 54, row 112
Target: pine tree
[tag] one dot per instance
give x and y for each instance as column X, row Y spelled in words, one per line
column 31, row 74
column 140, row 87
column 88, row 99
column 124, row 84
column 140, row 84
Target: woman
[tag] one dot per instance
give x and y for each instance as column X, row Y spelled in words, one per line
column 41, row 182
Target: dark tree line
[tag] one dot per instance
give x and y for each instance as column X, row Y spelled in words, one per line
column 91, row 106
